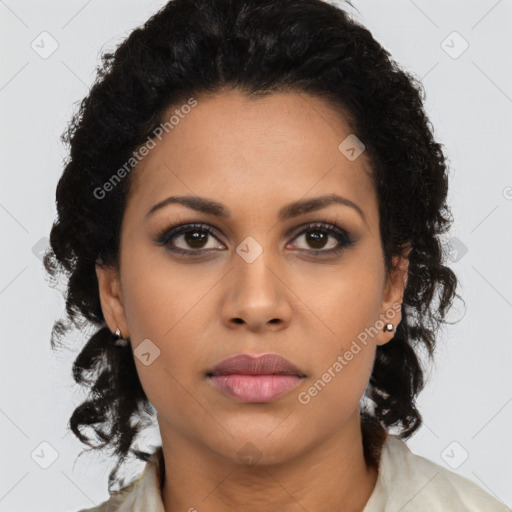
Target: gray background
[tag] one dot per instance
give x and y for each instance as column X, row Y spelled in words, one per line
column 466, row 405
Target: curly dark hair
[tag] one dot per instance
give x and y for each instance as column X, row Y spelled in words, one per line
column 194, row 47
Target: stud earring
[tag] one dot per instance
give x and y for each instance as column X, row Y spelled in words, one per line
column 388, row 328
column 120, row 341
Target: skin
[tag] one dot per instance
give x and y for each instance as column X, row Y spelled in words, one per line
column 255, row 157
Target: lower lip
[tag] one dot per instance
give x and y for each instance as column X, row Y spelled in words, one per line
column 255, row 388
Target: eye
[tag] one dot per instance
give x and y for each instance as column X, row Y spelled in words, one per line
column 189, row 239
column 198, row 239
column 323, row 238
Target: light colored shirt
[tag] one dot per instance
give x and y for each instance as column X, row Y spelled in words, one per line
column 406, row 482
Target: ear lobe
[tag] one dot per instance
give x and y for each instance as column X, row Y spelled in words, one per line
column 111, row 298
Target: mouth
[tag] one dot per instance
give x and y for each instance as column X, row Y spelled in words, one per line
column 249, row 378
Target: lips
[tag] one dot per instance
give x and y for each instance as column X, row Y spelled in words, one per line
column 248, row 378
column 245, row 364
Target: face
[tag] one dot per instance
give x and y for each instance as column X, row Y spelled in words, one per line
column 307, row 283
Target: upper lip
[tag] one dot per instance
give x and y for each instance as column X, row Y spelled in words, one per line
column 265, row 364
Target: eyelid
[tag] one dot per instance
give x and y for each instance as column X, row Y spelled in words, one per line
column 174, row 230
column 320, row 224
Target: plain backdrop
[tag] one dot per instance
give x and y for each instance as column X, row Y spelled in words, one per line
column 461, row 52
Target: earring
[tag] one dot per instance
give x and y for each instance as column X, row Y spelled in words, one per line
column 120, row 341
column 388, row 327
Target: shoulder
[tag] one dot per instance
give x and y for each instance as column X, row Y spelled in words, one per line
column 120, row 501
column 410, row 482
column 141, row 495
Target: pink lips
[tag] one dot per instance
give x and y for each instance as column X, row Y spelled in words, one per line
column 255, row 378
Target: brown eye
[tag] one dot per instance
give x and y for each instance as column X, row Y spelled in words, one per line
column 189, row 239
column 323, row 238
column 317, row 239
column 195, row 239
column 198, row 239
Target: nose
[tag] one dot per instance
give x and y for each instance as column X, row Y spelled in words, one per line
column 257, row 296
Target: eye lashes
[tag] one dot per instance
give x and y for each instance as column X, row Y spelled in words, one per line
column 331, row 228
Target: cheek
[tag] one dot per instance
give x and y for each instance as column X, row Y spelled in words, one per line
column 343, row 362
column 334, row 394
column 344, row 300
column 164, row 312
column 348, row 301
column 157, row 294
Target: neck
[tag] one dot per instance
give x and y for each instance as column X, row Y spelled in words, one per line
column 333, row 475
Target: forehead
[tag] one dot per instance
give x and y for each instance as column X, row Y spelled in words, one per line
column 253, row 153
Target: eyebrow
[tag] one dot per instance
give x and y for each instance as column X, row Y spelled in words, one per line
column 210, row 207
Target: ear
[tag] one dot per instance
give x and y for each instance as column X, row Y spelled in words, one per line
column 391, row 308
column 111, row 298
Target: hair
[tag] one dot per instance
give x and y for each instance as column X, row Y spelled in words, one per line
column 194, row 47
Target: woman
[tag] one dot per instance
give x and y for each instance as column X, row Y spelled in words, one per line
column 250, row 216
